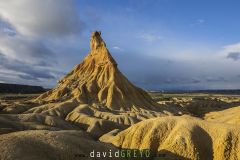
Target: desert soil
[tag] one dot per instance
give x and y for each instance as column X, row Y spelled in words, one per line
column 96, row 108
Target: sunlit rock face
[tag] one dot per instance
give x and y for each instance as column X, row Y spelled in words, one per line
column 97, row 80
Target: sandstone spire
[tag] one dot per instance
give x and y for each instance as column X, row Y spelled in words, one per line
column 97, row 80
column 96, row 41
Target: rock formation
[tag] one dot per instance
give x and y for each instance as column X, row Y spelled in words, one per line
column 96, row 96
column 97, row 80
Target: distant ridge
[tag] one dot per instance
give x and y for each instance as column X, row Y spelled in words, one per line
column 19, row 88
column 206, row 91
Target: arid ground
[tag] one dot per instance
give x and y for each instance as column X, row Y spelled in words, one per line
column 95, row 112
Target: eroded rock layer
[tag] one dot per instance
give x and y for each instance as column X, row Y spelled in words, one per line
column 97, row 80
column 182, row 137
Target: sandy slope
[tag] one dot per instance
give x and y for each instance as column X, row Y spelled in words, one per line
column 231, row 116
column 184, row 137
column 49, row 145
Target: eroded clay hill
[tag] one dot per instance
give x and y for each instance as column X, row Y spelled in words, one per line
column 230, row 116
column 182, row 137
column 97, row 80
column 94, row 96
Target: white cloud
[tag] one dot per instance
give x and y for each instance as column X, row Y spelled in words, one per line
column 116, row 48
column 41, row 17
column 150, row 37
column 231, row 51
column 28, row 28
column 25, row 49
column 232, row 48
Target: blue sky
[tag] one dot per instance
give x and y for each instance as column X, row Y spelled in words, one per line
column 158, row 44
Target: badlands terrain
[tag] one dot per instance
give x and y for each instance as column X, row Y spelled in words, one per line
column 96, row 109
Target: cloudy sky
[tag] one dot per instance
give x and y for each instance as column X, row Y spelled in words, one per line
column 158, row 44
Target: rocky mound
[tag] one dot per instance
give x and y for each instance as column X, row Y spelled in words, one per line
column 182, row 137
column 97, row 80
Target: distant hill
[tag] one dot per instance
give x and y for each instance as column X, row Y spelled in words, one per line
column 18, row 88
